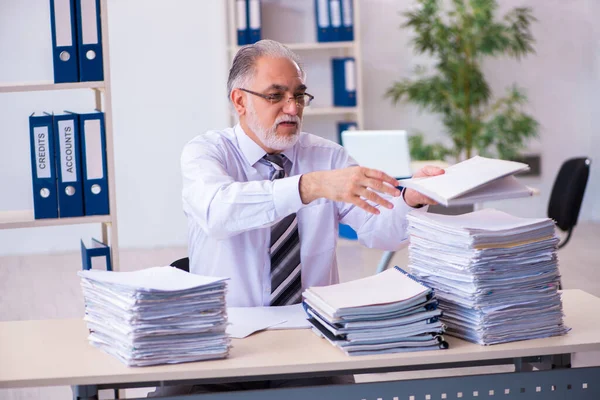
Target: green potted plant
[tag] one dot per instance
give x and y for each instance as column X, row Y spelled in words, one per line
column 459, row 37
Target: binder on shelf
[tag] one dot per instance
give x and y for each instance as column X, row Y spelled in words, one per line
column 345, row 231
column 323, row 22
column 95, row 255
column 347, row 29
column 43, row 174
column 335, row 14
column 344, row 81
column 89, row 40
column 68, row 165
column 345, row 126
column 254, row 21
column 64, row 41
column 241, row 13
column 93, row 156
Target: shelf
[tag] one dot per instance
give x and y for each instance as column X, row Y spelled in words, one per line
column 312, row 46
column 38, row 86
column 330, row 110
column 24, row 219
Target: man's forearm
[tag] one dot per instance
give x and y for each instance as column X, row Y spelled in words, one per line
column 310, row 187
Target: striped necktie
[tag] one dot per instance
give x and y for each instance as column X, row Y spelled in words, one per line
column 286, row 283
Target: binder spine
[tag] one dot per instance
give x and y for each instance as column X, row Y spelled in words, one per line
column 68, row 165
column 323, row 22
column 89, row 40
column 344, row 82
column 345, row 126
column 347, row 21
column 335, row 12
column 97, row 255
column 241, row 13
column 414, row 278
column 64, row 41
column 43, row 174
column 93, row 150
column 254, row 20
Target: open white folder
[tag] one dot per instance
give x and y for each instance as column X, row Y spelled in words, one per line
column 474, row 180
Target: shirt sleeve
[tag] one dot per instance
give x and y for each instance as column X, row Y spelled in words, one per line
column 386, row 231
column 224, row 207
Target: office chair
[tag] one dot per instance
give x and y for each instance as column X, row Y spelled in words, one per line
column 182, row 264
column 567, row 195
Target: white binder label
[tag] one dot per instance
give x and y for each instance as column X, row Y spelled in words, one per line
column 241, row 15
column 323, row 11
column 68, row 154
column 350, row 75
column 89, row 22
column 347, row 11
column 336, row 13
column 99, row 263
column 62, row 22
column 254, row 14
column 42, row 162
column 93, row 149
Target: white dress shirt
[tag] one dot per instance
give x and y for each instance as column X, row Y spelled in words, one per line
column 231, row 204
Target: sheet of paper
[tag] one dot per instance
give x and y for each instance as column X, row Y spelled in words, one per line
column 155, row 278
column 295, row 317
column 244, row 321
column 487, row 219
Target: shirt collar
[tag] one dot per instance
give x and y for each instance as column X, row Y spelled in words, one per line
column 252, row 151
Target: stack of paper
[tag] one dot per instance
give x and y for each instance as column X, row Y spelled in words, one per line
column 155, row 316
column 496, row 275
column 385, row 313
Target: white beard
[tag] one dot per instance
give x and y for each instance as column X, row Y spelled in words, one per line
column 269, row 137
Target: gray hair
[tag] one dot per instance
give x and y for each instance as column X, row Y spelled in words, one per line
column 242, row 69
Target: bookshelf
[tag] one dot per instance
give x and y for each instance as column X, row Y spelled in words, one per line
column 101, row 91
column 40, row 86
column 292, row 23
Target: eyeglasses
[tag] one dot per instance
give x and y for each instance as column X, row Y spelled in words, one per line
column 302, row 100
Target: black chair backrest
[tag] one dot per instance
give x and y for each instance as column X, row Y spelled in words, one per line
column 182, row 264
column 567, row 192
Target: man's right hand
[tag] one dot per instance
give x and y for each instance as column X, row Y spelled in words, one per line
column 352, row 185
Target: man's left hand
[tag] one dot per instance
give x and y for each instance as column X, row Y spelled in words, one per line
column 416, row 199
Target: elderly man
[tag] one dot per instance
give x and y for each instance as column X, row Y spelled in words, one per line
column 263, row 199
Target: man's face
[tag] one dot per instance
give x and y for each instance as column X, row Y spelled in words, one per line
column 276, row 124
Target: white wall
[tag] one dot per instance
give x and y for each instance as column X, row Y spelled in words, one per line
column 562, row 82
column 169, row 68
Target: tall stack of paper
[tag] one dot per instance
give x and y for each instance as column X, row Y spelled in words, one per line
column 155, row 316
column 496, row 275
column 385, row 313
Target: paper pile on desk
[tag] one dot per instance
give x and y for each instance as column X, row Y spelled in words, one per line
column 496, row 275
column 159, row 315
column 385, row 313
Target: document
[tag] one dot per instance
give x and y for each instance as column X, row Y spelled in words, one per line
column 244, row 321
column 474, row 180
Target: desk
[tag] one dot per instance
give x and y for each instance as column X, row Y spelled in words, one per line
column 56, row 352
